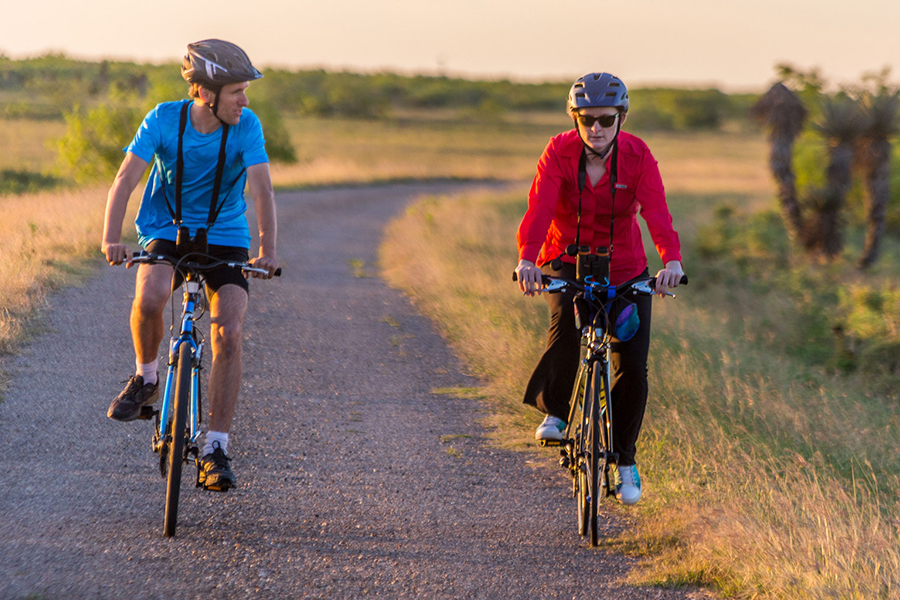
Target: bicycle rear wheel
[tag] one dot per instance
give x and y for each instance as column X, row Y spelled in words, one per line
column 176, row 437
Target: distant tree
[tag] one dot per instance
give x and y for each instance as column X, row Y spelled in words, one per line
column 842, row 124
column 882, row 113
column 782, row 112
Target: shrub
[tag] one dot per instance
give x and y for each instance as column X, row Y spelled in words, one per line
column 92, row 146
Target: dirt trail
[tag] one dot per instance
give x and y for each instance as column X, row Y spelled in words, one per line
column 354, row 479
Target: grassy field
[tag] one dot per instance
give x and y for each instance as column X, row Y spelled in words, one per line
column 766, row 476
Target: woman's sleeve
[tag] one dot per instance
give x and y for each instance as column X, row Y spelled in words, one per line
column 652, row 197
column 542, row 202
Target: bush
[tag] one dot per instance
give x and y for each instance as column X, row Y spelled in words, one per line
column 278, row 140
column 92, row 146
column 25, row 182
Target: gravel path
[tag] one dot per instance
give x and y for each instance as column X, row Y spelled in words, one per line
column 354, row 479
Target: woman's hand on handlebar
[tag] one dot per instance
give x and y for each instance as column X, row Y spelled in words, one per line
column 529, row 277
column 669, row 277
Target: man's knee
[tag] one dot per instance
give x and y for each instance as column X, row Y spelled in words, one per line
column 226, row 335
column 152, row 290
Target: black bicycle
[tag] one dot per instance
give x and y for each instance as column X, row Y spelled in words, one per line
column 587, row 446
column 177, row 421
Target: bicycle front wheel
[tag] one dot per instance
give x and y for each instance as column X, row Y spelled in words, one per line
column 176, row 436
column 597, row 455
column 580, row 410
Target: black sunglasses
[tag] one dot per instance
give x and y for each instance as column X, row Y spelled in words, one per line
column 604, row 120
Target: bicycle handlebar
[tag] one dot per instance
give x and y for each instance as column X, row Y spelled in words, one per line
column 147, row 258
column 644, row 286
column 547, row 279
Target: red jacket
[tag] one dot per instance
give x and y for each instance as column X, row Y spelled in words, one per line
column 549, row 224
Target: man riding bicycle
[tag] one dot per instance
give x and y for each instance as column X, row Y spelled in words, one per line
column 204, row 150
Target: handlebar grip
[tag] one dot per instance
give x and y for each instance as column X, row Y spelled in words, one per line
column 278, row 272
column 684, row 280
column 515, row 276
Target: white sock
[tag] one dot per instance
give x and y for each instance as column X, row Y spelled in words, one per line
column 148, row 371
column 211, row 438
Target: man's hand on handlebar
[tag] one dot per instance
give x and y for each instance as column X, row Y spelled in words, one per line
column 529, row 277
column 116, row 254
column 669, row 277
column 264, row 262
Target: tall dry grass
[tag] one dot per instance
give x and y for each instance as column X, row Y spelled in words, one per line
column 28, row 144
column 46, row 240
column 764, row 477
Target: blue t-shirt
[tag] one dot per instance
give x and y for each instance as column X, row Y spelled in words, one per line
column 157, row 142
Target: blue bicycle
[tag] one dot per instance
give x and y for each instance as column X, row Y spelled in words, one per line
column 177, row 421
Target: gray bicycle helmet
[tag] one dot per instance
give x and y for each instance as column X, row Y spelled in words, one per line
column 214, row 63
column 598, row 89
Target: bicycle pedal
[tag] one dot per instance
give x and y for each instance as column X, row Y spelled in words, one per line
column 551, row 443
column 147, row 413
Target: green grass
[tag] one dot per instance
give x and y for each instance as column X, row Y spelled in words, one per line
column 767, row 474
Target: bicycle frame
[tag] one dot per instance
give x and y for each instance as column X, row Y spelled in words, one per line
column 187, row 335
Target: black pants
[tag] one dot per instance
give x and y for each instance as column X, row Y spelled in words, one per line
column 550, row 386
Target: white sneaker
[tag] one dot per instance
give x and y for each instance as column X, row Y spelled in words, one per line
column 551, row 429
column 628, row 484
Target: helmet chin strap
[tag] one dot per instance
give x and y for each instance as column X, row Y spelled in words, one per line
column 214, row 106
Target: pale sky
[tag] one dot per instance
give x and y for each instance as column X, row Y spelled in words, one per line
column 733, row 44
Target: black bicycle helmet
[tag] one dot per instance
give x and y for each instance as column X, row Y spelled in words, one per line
column 598, row 89
column 214, row 63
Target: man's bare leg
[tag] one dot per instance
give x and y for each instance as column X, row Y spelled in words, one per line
column 152, row 289
column 227, row 308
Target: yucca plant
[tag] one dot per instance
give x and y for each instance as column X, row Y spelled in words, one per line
column 782, row 112
column 882, row 113
column 842, row 124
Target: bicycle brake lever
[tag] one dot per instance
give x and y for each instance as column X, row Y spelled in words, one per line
column 555, row 286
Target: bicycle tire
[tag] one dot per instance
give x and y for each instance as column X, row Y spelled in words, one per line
column 596, row 454
column 582, row 492
column 176, row 434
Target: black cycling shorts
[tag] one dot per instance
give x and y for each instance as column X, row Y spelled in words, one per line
column 215, row 278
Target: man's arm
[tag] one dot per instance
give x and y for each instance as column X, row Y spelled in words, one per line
column 127, row 179
column 260, row 184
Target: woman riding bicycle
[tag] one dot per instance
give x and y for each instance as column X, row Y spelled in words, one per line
column 591, row 183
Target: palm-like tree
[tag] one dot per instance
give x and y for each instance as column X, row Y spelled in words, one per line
column 882, row 112
column 842, row 124
column 783, row 113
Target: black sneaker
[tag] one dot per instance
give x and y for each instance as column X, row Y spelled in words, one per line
column 127, row 405
column 215, row 471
